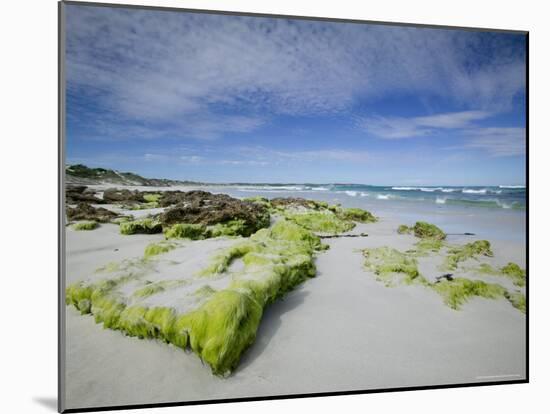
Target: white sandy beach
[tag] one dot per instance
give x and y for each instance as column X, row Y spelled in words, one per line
column 339, row 331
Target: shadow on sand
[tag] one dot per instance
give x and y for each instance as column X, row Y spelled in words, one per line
column 271, row 321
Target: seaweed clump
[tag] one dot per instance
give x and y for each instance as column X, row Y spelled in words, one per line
column 515, row 273
column 468, row 251
column 154, row 249
column 85, row 225
column 457, row 291
column 404, row 229
column 323, row 222
column 143, row 226
column 393, row 267
column 424, row 230
column 387, row 263
column 356, row 214
column 224, row 323
column 186, row 231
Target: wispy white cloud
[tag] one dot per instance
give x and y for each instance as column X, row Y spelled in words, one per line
column 401, row 127
column 202, row 76
column 498, row 142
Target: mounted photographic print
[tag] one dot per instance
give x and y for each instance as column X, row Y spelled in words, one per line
column 257, row 206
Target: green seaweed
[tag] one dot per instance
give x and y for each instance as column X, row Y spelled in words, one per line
column 258, row 200
column 467, row 251
column 356, row 214
column 458, row 291
column 152, row 198
column 514, row 272
column 403, row 229
column 393, row 267
column 225, row 324
column 387, row 263
column 144, row 226
column 141, row 206
column 229, row 228
column 323, row 222
column 517, row 299
column 425, row 246
column 152, row 288
column 425, row 230
column 154, row 249
column 85, row 225
column 186, row 231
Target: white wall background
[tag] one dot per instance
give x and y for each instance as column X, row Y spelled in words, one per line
column 28, row 163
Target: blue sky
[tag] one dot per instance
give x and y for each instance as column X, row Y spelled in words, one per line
column 246, row 99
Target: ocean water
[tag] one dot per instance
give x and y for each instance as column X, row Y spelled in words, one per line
column 493, row 212
column 504, row 196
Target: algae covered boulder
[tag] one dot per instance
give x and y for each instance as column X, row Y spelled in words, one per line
column 204, row 208
column 75, row 194
column 85, row 225
column 216, row 324
column 425, row 230
column 114, row 195
column 321, row 222
column 144, row 226
column 356, row 214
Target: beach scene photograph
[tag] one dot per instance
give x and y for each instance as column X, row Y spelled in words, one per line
column 263, row 206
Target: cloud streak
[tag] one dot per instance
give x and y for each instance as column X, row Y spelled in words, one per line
column 401, row 127
column 204, row 76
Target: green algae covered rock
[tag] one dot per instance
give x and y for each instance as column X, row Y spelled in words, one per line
column 224, row 322
column 85, row 225
column 356, row 214
column 144, row 226
column 321, row 222
column 425, row 230
column 187, row 231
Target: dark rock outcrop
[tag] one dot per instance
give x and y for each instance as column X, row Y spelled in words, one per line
column 84, row 211
column 113, row 195
column 201, row 207
column 75, row 194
